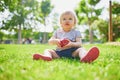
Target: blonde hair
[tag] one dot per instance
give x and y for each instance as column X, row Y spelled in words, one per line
column 69, row 12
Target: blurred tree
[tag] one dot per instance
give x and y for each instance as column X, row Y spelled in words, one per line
column 55, row 20
column 45, row 9
column 1, row 36
column 4, row 4
column 102, row 25
column 116, row 8
column 116, row 20
column 20, row 10
column 116, row 27
column 87, row 13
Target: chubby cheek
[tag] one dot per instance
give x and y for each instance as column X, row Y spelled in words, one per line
column 73, row 23
column 63, row 25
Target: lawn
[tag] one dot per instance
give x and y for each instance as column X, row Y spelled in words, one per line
column 16, row 63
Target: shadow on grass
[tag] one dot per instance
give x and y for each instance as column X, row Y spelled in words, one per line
column 75, row 61
column 70, row 60
column 1, row 48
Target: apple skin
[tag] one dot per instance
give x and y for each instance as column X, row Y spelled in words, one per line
column 64, row 42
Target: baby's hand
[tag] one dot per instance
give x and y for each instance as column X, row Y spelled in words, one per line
column 69, row 45
column 64, row 42
column 57, row 41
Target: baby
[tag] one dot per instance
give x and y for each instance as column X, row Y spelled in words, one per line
column 68, row 42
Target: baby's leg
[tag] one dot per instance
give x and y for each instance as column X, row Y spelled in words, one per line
column 80, row 52
column 51, row 53
column 91, row 55
column 87, row 56
column 47, row 56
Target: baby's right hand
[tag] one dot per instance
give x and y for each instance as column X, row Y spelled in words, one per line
column 57, row 41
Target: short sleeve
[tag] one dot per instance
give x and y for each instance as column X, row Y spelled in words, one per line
column 55, row 34
column 78, row 34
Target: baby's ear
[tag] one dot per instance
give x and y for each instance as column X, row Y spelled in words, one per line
column 75, row 22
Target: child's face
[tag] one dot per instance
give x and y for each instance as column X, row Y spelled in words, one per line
column 67, row 21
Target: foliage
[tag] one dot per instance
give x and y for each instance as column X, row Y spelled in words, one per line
column 45, row 11
column 21, row 9
column 1, row 35
column 95, row 37
column 4, row 4
column 118, row 39
column 116, row 20
column 86, row 11
column 116, row 27
column 16, row 63
column 116, row 8
column 87, row 14
column 102, row 26
column 45, row 8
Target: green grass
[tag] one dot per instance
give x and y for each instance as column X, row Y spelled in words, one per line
column 16, row 63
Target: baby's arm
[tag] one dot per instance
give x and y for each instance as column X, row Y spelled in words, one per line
column 54, row 41
column 78, row 43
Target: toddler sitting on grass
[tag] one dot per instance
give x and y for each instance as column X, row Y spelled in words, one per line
column 68, row 42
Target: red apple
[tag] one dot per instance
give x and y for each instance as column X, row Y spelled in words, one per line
column 64, row 42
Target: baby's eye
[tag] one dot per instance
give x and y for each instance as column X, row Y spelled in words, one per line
column 70, row 18
column 64, row 19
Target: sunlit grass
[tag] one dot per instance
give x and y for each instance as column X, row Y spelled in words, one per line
column 16, row 63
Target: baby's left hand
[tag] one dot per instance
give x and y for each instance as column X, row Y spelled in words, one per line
column 69, row 45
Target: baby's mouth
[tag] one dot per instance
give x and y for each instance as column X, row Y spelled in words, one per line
column 67, row 24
